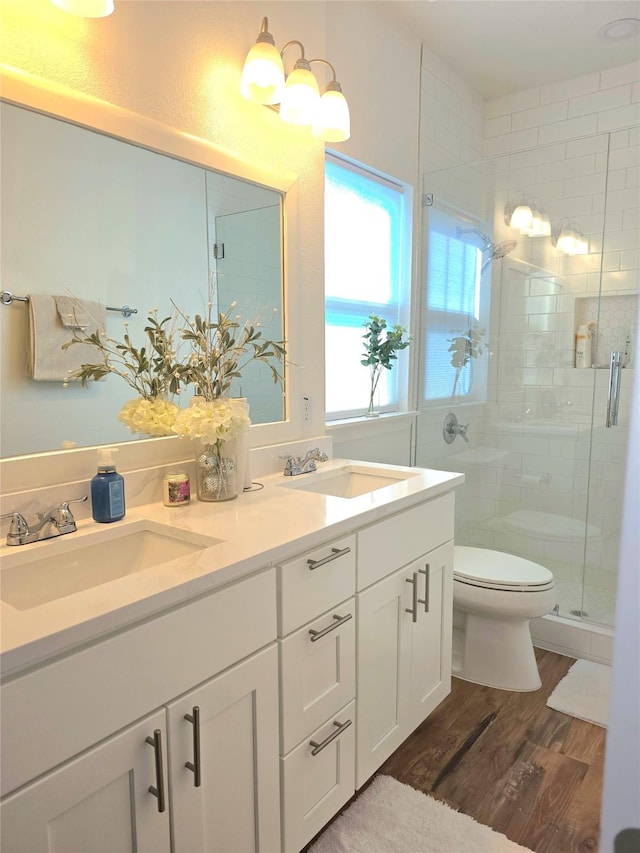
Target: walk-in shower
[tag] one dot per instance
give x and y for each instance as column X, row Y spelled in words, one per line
column 544, row 471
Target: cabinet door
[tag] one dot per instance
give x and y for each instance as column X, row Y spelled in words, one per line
column 384, row 660
column 236, row 807
column 431, row 633
column 98, row 803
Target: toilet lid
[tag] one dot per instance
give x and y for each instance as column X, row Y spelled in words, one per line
column 496, row 570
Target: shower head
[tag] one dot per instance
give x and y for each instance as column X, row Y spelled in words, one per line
column 499, row 250
column 486, row 241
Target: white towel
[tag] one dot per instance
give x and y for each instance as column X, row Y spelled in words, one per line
column 52, row 322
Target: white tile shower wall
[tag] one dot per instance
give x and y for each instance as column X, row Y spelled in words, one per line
column 451, row 128
column 553, row 459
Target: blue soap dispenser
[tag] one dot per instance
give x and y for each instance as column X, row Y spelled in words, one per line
column 107, row 489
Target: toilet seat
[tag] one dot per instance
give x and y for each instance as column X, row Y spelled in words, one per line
column 487, row 569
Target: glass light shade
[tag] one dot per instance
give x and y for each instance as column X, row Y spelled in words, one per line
column 582, row 246
column 540, row 225
column 300, row 98
column 262, row 80
column 566, row 242
column 545, row 226
column 86, row 8
column 522, row 218
column 331, row 122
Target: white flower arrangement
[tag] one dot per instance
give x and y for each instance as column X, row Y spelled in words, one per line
column 211, row 420
column 149, row 417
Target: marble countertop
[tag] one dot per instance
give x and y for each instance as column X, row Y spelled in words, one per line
column 257, row 530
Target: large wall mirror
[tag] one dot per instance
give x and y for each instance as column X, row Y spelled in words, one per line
column 100, row 218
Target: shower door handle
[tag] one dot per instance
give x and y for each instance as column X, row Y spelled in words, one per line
column 613, row 395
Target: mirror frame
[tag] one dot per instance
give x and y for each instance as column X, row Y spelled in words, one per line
column 18, row 473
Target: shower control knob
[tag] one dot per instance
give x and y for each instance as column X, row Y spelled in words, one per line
column 452, row 428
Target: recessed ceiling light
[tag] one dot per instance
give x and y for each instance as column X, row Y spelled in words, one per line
column 623, row 28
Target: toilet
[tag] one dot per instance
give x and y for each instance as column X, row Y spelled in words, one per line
column 494, row 597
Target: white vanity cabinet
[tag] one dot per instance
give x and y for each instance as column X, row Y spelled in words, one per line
column 254, row 710
column 404, row 627
column 221, row 733
column 99, row 801
column 317, row 688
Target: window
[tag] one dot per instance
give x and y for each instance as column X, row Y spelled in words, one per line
column 367, row 262
column 453, row 308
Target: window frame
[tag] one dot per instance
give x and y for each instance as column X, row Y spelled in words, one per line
column 401, row 303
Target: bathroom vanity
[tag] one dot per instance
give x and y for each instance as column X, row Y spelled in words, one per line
column 236, row 680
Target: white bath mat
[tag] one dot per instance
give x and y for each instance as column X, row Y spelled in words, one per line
column 389, row 817
column 584, row 692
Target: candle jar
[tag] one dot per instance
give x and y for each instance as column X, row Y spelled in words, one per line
column 176, row 489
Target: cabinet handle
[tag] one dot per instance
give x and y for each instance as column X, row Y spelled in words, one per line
column 156, row 743
column 427, row 576
column 414, row 606
column 335, row 553
column 340, row 620
column 195, row 765
column 318, row 747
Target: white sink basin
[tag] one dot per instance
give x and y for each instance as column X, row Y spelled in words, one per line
column 350, row 481
column 64, row 566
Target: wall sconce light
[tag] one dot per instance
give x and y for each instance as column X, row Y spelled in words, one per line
column 263, row 82
column 86, row 8
column 525, row 213
column 568, row 238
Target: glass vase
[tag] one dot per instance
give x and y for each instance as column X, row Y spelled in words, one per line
column 216, row 470
column 373, row 410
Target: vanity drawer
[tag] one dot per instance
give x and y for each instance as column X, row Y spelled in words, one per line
column 315, row 582
column 54, row 712
column 393, row 542
column 317, row 672
column 316, row 786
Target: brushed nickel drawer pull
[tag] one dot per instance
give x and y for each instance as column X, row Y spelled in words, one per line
column 195, row 765
column 340, row 620
column 427, row 578
column 335, row 553
column 158, row 791
column 414, row 606
column 318, row 747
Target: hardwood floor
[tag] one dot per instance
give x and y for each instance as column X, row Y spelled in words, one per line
column 511, row 763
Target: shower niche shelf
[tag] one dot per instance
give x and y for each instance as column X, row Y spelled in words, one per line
column 614, row 317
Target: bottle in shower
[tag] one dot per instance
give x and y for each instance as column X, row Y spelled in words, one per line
column 583, row 346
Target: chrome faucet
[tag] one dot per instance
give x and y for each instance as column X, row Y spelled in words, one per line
column 56, row 522
column 303, row 464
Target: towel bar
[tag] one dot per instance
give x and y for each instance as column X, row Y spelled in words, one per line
column 7, row 298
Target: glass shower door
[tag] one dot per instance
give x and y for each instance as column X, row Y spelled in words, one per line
column 615, row 360
column 544, row 475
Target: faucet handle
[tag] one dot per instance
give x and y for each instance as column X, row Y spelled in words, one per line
column 290, row 465
column 462, row 430
column 64, row 516
column 18, row 526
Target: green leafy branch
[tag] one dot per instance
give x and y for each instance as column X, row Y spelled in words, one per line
column 467, row 344
column 380, row 349
column 151, row 370
column 221, row 347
